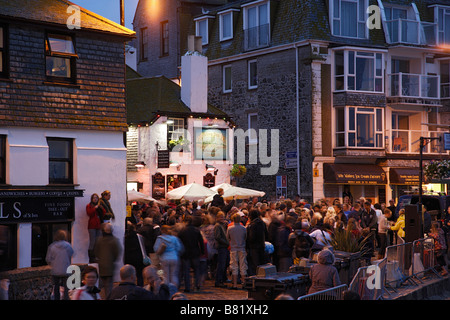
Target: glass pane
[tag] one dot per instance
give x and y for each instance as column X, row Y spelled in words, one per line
column 226, row 26
column 227, row 71
column 251, row 18
column 59, row 149
column 58, row 67
column 253, row 125
column 364, row 74
column 202, row 31
column 340, row 83
column 340, row 139
column 59, row 171
column 349, row 16
column 365, row 130
column 1, row 61
column 61, row 43
column 253, row 78
column 263, row 14
column 336, row 9
column 351, row 139
column 339, row 62
column 340, row 120
column 379, row 120
column 379, row 140
column 351, row 62
column 1, row 37
column 350, row 83
column 403, row 122
column 351, row 119
column 379, row 66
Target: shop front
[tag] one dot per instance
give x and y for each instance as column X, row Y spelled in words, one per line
column 349, row 182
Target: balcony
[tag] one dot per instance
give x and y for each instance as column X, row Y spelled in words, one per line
column 445, row 90
column 413, row 86
column 256, row 37
column 408, row 141
column 412, row 32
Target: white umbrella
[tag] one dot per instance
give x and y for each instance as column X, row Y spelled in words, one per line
column 230, row 191
column 138, row 196
column 190, row 192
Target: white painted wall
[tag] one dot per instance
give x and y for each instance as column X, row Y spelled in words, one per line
column 99, row 164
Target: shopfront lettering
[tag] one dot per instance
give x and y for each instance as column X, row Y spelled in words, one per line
column 16, row 213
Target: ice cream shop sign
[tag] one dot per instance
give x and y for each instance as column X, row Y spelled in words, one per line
column 20, row 206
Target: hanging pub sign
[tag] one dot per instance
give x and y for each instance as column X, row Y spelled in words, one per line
column 163, row 159
column 158, row 186
column 37, row 206
column 209, row 180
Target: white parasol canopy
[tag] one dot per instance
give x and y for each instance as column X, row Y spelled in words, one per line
column 190, row 192
column 138, row 196
column 230, row 191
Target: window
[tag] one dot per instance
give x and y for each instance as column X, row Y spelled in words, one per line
column 164, row 38
column 60, row 58
column 252, row 75
column 349, row 18
column 358, row 71
column 256, row 26
column 144, row 44
column 445, row 79
column 252, row 128
column 201, row 30
column 3, row 52
column 2, row 159
column 226, row 25
column 359, row 127
column 442, row 18
column 175, row 129
column 60, row 160
column 227, row 82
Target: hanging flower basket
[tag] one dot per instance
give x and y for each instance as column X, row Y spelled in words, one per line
column 238, row 170
column 437, row 171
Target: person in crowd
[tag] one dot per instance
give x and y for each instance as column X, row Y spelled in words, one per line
column 107, row 250
column 272, row 233
column 400, row 224
column 426, row 220
column 324, row 274
column 169, row 249
column 222, row 244
column 106, row 206
column 207, row 231
column 127, row 288
column 88, row 291
column 356, row 212
column 321, row 236
column 154, row 284
column 237, row 235
column 369, row 220
column 284, row 251
column 354, row 228
column 133, row 254
column 150, row 231
column 94, row 212
column 440, row 247
column 300, row 242
column 392, row 207
column 256, row 237
column 59, row 257
column 192, row 240
column 136, row 215
column 383, row 227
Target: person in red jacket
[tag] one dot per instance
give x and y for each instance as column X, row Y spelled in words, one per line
column 94, row 211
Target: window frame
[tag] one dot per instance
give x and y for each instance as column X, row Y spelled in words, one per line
column 164, row 36
column 224, row 79
column 349, row 128
column 249, row 77
column 61, row 55
column 257, row 5
column 3, row 158
column 69, row 160
column 4, row 52
column 205, row 39
column 437, row 20
column 222, row 14
column 143, row 45
column 360, row 22
column 170, row 133
column 350, row 71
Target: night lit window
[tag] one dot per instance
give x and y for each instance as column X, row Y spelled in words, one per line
column 60, row 58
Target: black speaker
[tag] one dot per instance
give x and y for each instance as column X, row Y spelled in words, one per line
column 413, row 223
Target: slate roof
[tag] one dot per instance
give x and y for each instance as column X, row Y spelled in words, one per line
column 297, row 20
column 148, row 97
column 55, row 12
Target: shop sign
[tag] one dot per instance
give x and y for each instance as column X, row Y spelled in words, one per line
column 158, row 186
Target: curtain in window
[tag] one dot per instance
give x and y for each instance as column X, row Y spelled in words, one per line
column 364, row 74
column 349, row 19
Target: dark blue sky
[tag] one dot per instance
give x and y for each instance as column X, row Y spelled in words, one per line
column 110, row 9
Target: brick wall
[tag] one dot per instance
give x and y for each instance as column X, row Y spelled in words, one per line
column 96, row 101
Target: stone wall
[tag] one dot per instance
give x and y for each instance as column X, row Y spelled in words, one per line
column 29, row 283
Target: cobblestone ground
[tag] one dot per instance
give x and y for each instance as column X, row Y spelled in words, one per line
column 210, row 292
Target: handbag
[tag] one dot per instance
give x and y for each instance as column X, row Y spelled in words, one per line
column 146, row 259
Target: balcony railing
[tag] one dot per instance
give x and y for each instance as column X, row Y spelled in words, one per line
column 413, row 85
column 256, row 37
column 412, row 31
column 408, row 141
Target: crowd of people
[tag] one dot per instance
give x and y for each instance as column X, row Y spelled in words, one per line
column 175, row 247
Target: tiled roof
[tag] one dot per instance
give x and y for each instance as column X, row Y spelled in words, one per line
column 148, row 97
column 55, row 12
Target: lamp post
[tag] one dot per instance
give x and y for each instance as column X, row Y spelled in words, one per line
column 423, row 142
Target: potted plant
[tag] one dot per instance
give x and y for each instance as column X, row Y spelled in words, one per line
column 437, row 170
column 238, row 170
column 179, row 145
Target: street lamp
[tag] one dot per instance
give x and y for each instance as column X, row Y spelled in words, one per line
column 422, row 145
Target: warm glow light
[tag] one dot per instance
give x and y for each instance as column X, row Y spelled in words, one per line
column 154, row 9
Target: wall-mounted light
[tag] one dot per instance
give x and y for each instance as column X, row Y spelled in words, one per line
column 209, row 167
column 140, row 164
column 175, row 164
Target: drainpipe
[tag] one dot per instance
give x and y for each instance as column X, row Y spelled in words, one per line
column 298, row 119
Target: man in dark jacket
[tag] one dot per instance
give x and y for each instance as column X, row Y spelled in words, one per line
column 220, row 203
column 256, row 237
column 128, row 290
column 222, row 244
column 192, row 240
column 369, row 220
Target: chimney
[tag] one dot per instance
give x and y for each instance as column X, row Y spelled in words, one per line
column 194, row 77
column 122, row 12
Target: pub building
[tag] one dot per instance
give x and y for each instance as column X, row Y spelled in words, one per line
column 62, row 125
column 175, row 137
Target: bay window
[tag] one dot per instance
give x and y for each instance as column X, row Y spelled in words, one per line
column 442, row 18
column 359, row 127
column 358, row 71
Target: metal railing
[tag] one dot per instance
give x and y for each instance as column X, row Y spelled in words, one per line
column 408, row 141
column 257, row 37
column 335, row 293
column 365, row 275
column 414, row 85
column 412, row 31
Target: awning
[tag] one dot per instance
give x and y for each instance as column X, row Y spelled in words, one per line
column 404, row 176
column 360, row 174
